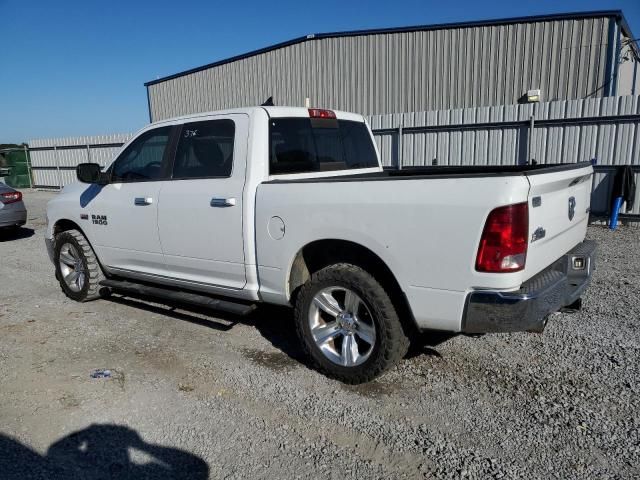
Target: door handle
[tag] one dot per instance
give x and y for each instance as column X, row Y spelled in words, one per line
column 223, row 202
column 142, row 201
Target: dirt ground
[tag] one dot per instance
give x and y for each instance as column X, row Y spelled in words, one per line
column 197, row 395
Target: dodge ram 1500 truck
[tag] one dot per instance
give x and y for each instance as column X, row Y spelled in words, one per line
column 291, row 206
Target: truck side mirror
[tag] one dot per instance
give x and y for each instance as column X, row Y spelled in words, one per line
column 91, row 173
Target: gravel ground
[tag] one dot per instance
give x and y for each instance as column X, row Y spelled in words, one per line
column 195, row 395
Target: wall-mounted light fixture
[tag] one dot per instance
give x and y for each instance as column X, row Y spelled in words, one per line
column 533, row 96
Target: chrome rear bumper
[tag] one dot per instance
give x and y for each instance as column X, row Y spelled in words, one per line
column 527, row 309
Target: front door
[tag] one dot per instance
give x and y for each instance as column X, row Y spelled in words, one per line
column 123, row 215
column 201, row 208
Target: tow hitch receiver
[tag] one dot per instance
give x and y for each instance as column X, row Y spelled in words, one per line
column 579, row 263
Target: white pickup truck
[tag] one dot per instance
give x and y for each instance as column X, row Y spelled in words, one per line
column 291, row 206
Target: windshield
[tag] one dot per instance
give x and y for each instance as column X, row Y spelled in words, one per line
column 301, row 145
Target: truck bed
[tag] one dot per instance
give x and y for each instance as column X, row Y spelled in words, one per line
column 427, row 230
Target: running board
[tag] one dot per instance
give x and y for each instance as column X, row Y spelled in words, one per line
column 161, row 293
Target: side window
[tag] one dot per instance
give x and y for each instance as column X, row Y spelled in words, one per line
column 143, row 159
column 205, row 150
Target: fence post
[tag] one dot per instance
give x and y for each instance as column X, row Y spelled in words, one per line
column 530, row 138
column 399, row 154
column 88, row 153
column 55, row 153
column 26, row 158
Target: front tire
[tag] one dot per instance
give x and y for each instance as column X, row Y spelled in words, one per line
column 77, row 267
column 348, row 325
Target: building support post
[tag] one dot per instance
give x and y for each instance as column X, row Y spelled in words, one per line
column 57, row 159
column 399, row 153
column 611, row 71
column 530, row 138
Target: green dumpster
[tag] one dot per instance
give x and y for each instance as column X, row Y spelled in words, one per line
column 15, row 161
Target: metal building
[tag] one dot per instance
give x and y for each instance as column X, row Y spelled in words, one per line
column 412, row 69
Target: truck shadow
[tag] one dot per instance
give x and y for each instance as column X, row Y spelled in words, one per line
column 274, row 323
column 99, row 452
column 425, row 342
column 277, row 326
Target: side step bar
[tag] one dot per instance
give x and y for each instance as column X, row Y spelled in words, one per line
column 235, row 308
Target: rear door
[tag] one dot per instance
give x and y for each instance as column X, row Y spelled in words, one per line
column 201, row 212
column 122, row 217
column 559, row 203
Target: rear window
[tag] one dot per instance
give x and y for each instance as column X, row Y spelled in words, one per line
column 302, row 145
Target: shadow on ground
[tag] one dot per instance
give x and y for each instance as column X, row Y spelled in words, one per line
column 99, row 452
column 425, row 342
column 9, row 234
column 275, row 323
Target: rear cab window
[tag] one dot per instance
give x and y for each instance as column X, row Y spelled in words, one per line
column 305, row 145
column 205, row 150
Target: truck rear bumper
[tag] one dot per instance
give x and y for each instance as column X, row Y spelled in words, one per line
column 527, row 309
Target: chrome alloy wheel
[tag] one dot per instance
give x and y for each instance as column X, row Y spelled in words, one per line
column 72, row 267
column 342, row 326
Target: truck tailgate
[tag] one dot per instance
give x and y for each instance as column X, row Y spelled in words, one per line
column 559, row 201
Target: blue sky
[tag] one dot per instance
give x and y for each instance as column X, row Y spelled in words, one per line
column 78, row 68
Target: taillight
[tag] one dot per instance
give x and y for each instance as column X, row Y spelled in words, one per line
column 319, row 113
column 503, row 246
column 10, row 197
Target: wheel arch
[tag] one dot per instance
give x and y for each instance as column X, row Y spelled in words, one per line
column 321, row 253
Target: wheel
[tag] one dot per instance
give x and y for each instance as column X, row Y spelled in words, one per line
column 347, row 324
column 77, row 268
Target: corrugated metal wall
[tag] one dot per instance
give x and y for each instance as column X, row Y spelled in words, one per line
column 53, row 160
column 408, row 71
column 472, row 136
column 484, row 136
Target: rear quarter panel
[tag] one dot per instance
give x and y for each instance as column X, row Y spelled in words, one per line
column 425, row 230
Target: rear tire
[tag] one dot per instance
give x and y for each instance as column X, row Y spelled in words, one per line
column 77, row 267
column 348, row 325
